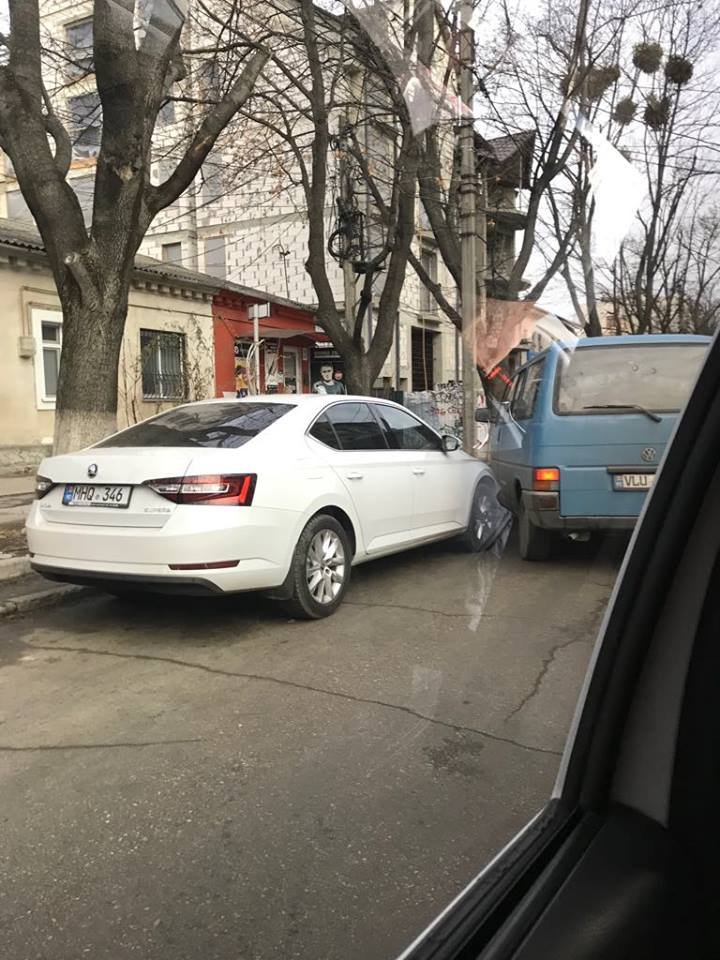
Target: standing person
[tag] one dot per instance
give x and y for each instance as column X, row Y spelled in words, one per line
column 327, row 383
column 339, row 378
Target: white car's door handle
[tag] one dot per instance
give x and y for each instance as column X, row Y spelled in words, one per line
column 354, row 476
column 418, row 471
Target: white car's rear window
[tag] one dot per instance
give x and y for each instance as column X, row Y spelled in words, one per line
column 202, row 425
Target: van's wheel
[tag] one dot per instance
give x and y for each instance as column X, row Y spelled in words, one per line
column 320, row 571
column 534, row 543
column 488, row 519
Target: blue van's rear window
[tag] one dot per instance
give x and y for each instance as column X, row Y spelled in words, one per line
column 658, row 377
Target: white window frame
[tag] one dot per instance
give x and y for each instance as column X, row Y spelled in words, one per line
column 39, row 316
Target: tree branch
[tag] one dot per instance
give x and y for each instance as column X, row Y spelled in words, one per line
column 61, row 138
column 212, row 126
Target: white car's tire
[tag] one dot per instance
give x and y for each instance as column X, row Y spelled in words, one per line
column 320, row 571
column 489, row 521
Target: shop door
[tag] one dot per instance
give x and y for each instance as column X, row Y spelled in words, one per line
column 292, row 369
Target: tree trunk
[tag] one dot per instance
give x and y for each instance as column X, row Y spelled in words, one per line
column 87, row 393
column 359, row 377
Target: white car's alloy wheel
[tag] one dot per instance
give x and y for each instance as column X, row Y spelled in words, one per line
column 325, row 566
column 321, row 568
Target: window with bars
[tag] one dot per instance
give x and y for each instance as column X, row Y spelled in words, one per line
column 162, row 355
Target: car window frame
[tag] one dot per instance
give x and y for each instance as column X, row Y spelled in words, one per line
column 308, row 432
column 559, row 369
column 375, row 406
column 516, row 390
column 528, row 414
column 488, row 913
column 341, row 449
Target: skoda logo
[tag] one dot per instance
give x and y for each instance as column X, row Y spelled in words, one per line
column 649, row 454
column 92, row 469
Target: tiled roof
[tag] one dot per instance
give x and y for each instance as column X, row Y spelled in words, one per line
column 23, row 236
column 501, row 152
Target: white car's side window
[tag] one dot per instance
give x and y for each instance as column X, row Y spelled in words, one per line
column 324, row 431
column 356, row 427
column 404, row 431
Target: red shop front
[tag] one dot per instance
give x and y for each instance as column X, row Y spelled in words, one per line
column 287, row 336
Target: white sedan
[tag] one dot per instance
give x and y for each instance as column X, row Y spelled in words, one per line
column 274, row 493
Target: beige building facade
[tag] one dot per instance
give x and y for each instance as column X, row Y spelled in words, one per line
column 167, row 353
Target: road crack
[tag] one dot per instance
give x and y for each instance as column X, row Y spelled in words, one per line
column 547, row 662
column 445, row 613
column 4, row 748
column 323, row 691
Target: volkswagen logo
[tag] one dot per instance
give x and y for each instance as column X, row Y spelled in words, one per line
column 649, row 454
column 92, row 469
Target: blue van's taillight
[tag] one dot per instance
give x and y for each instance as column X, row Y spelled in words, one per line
column 546, row 479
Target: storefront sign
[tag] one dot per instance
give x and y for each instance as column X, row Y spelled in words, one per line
column 327, row 370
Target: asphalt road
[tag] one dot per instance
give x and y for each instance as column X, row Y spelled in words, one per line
column 206, row 779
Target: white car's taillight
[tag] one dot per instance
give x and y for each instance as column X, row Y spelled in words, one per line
column 228, row 490
column 42, row 486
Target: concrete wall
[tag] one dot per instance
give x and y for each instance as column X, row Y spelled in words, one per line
column 25, row 419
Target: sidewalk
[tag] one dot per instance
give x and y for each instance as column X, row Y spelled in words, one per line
column 16, row 495
column 20, row 588
column 16, row 486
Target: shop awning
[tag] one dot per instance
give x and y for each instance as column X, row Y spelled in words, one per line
column 283, row 333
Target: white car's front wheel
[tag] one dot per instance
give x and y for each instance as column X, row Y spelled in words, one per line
column 320, row 570
column 489, row 520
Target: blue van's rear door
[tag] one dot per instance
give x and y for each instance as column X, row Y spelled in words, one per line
column 604, row 454
column 607, row 462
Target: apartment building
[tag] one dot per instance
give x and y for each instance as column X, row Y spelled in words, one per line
column 244, row 221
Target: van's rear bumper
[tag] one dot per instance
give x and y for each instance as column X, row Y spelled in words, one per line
column 549, row 518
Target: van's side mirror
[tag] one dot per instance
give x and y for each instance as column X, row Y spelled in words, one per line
column 482, row 415
column 450, row 443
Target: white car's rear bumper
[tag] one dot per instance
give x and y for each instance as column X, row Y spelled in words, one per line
column 258, row 541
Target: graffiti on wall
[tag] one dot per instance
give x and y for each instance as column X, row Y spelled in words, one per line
column 442, row 408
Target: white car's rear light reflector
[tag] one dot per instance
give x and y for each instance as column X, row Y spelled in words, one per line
column 216, row 565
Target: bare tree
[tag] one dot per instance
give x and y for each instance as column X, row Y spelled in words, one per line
column 638, row 93
column 331, row 131
column 134, row 61
column 686, row 278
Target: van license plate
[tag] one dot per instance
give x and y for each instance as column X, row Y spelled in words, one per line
column 95, row 495
column 633, row 481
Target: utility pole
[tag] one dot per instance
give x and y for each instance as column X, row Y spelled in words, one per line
column 468, row 226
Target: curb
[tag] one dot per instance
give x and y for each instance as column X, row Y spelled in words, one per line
column 14, row 567
column 41, row 598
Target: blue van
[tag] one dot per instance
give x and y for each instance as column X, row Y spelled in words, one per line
column 580, row 432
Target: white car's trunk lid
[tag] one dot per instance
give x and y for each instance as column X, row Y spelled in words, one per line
column 118, row 467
